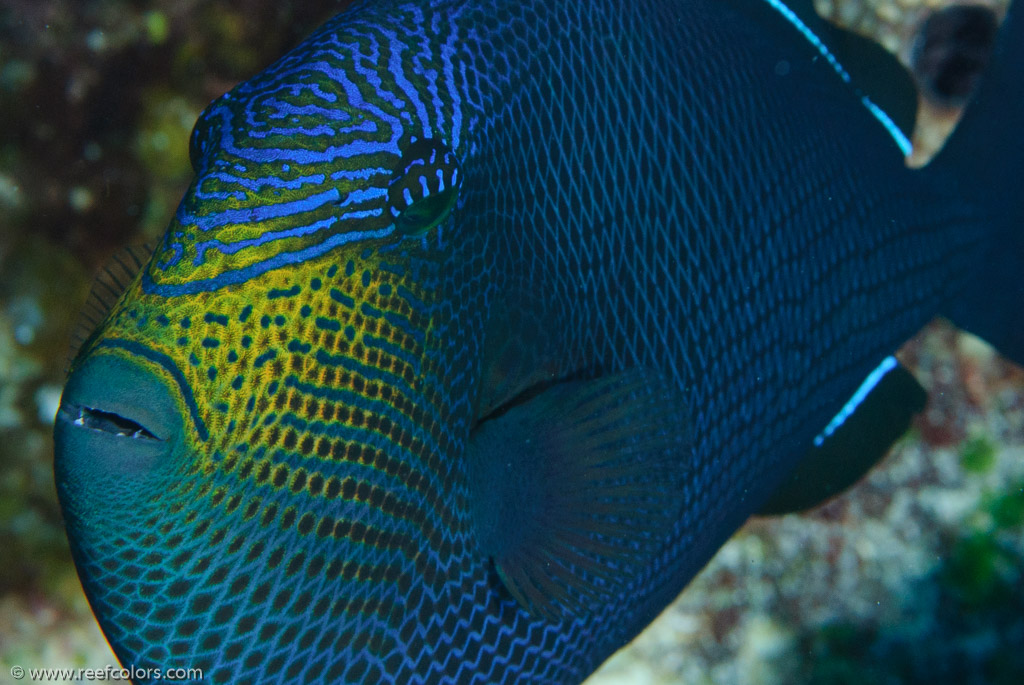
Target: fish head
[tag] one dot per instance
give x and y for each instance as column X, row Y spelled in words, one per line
column 255, row 450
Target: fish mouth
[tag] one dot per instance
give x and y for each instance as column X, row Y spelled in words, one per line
column 107, row 422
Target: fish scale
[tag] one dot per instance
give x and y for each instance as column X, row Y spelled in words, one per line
column 699, row 253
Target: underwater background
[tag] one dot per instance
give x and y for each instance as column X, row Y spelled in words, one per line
column 916, row 575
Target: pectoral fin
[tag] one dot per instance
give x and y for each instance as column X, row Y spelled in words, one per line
column 574, row 490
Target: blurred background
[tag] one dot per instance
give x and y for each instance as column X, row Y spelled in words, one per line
column 914, row 576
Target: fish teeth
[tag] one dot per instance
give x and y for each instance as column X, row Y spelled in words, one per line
column 98, row 421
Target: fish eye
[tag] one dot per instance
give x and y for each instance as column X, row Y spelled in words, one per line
column 424, row 186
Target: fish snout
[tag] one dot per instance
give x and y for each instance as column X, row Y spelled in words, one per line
column 117, row 425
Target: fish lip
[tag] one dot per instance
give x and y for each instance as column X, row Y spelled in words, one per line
column 115, row 397
column 104, row 422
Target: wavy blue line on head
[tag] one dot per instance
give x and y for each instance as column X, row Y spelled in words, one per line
column 354, row 198
column 285, row 109
column 370, row 77
column 301, row 156
column 242, row 275
column 322, row 130
column 447, row 59
column 255, row 184
column 395, row 65
column 168, row 365
column 441, row 107
column 262, row 239
column 359, row 174
column 250, row 215
column 179, row 253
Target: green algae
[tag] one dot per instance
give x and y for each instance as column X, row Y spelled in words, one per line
column 841, row 657
column 161, row 146
column 1007, row 509
column 36, row 314
column 986, row 565
column 231, row 46
column 158, row 27
column 978, row 455
column 163, row 133
column 979, row 572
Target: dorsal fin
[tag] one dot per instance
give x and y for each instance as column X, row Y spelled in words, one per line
column 876, row 73
column 110, row 282
column 884, row 85
column 804, row 10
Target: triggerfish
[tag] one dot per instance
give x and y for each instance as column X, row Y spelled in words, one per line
column 484, row 323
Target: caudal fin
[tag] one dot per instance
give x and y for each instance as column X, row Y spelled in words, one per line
column 985, row 156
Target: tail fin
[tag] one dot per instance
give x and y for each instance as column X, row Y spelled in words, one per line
column 985, row 154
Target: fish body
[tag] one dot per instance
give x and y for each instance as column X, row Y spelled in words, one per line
column 484, row 324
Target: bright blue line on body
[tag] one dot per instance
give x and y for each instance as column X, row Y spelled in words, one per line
column 361, row 174
column 789, row 15
column 887, row 365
